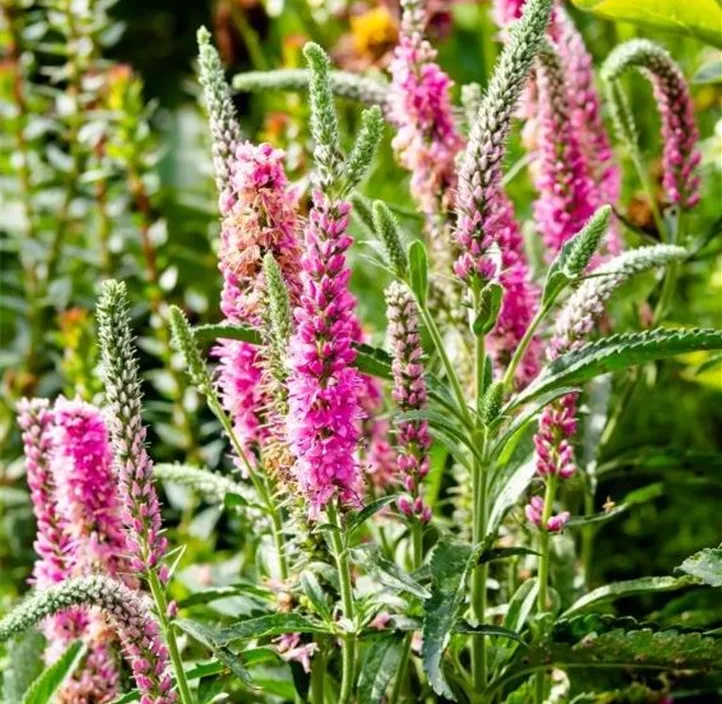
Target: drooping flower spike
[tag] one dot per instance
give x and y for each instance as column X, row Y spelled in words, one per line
column 129, row 613
column 681, row 156
column 410, row 395
column 140, row 506
column 225, row 132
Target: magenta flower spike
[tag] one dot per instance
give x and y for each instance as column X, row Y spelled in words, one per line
column 324, row 411
column 410, row 395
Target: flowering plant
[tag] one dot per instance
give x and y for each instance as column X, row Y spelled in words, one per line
column 409, row 507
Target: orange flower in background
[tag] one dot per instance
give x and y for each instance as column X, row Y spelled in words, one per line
column 374, row 33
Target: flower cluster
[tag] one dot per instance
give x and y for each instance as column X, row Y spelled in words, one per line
column 681, row 158
column 324, row 411
column 427, row 140
column 410, row 395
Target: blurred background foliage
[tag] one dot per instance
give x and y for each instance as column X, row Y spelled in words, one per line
column 106, row 171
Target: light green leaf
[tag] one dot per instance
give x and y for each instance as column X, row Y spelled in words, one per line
column 634, row 498
column 52, row 678
column 312, row 589
column 631, row 587
column 25, row 663
column 710, row 72
column 387, row 572
column 450, row 564
column 379, row 667
column 705, row 565
column 701, row 18
column 358, row 519
column 614, row 353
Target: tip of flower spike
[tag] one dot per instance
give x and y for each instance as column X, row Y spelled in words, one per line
column 203, row 36
column 316, row 56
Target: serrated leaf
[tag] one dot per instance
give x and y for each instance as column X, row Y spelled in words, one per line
column 701, row 18
column 630, row 587
column 418, row 271
column 52, row 678
column 270, row 625
column 387, row 572
column 379, row 667
column 614, row 353
column 450, row 564
column 705, row 565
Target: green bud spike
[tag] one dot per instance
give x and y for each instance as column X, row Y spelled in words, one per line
column 388, row 231
column 185, row 342
column 491, row 403
column 362, row 153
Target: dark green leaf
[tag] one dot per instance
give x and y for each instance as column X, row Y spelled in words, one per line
column 313, row 591
column 379, row 667
column 387, row 572
column 634, row 498
column 615, row 353
column 51, row 679
column 489, row 306
column 211, row 333
column 450, row 565
column 270, row 625
column 504, row 553
column 487, row 630
column 358, row 519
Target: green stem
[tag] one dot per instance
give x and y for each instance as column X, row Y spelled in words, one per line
column 544, row 569
column 670, row 275
column 446, row 362
column 175, row 656
column 318, row 675
column 417, row 544
column 524, row 343
column 588, row 536
column 344, row 577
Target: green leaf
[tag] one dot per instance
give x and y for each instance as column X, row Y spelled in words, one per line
column 510, row 492
column 620, row 649
column 489, row 307
column 387, row 572
column 211, row 333
column 504, row 553
column 313, row 591
column 634, row 498
column 631, row 587
column 269, row 625
column 358, row 519
column 419, row 271
column 52, row 678
column 705, row 565
column 488, row 630
column 450, row 564
column 614, row 353
column 710, row 72
column 521, row 605
column 373, row 361
column 379, row 667
column 701, row 19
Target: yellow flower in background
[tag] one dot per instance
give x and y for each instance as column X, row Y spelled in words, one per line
column 373, row 32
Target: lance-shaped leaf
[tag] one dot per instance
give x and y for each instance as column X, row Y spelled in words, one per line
column 269, row 625
column 615, row 353
column 418, row 271
column 450, row 565
column 43, row 689
column 387, row 572
column 379, row 667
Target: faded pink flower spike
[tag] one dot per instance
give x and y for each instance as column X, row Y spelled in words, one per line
column 534, row 512
column 427, row 140
column 258, row 217
column 681, row 157
column 410, row 394
column 324, row 410
column 53, row 544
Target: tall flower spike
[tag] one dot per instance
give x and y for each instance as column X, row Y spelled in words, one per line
column 223, row 120
column 53, row 544
column 479, row 188
column 427, row 140
column 136, row 626
column 410, row 395
column 681, row 157
column 141, row 510
column 82, row 463
column 567, row 195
